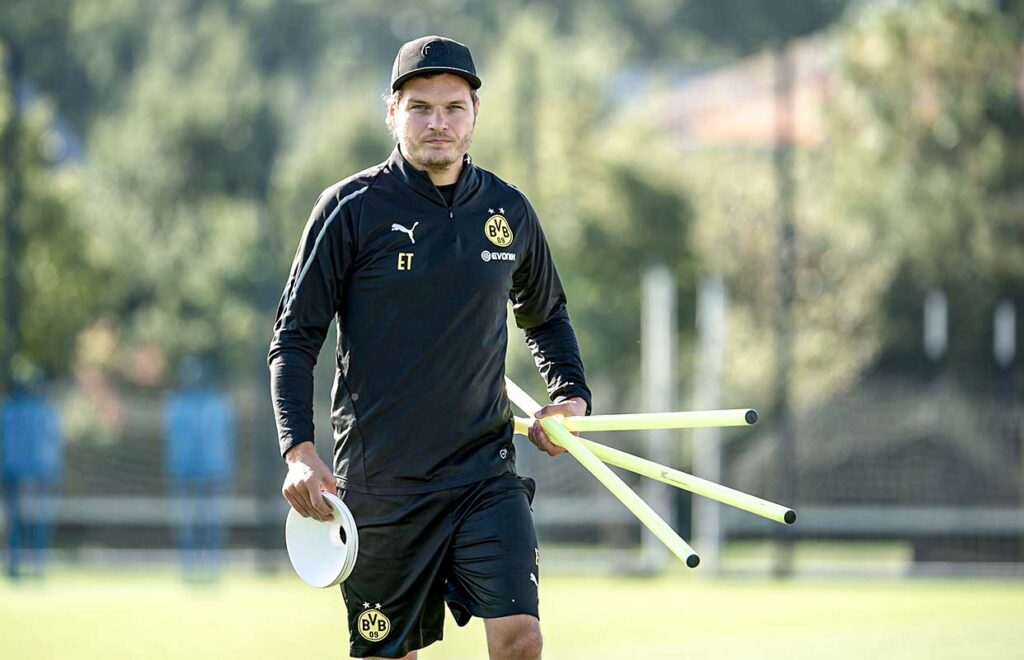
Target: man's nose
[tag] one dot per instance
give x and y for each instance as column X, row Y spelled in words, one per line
column 438, row 119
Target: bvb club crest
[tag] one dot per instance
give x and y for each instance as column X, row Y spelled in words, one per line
column 373, row 625
column 498, row 230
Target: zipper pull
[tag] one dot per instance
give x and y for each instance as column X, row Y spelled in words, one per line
column 451, row 214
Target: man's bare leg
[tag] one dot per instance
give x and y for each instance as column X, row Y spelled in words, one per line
column 515, row 637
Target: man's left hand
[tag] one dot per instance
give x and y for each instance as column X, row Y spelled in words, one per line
column 574, row 407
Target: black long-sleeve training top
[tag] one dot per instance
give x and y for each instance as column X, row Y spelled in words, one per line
column 419, row 291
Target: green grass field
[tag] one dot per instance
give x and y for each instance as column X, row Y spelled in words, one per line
column 134, row 615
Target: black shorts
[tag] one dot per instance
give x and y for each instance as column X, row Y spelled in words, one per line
column 473, row 547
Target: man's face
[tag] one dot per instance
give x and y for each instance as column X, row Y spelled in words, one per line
column 434, row 121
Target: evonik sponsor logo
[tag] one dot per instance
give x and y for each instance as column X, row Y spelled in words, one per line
column 487, row 255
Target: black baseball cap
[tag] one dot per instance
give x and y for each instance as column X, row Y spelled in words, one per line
column 433, row 54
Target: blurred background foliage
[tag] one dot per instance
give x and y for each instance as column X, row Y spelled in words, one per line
column 160, row 221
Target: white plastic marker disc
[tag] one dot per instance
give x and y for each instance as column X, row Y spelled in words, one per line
column 316, row 549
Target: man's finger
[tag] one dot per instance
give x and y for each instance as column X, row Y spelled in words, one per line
column 296, row 503
column 543, row 443
column 306, row 507
column 552, row 449
column 319, row 504
column 542, row 437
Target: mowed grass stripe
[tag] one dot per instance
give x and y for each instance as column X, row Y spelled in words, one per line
column 117, row 615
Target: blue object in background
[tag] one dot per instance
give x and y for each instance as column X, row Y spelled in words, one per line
column 199, row 443
column 200, row 436
column 31, row 439
column 31, row 457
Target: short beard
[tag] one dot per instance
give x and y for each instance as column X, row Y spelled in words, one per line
column 439, row 164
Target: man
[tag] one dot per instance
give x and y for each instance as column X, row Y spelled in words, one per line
column 416, row 259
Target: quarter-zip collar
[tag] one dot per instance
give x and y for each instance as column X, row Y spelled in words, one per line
column 420, row 181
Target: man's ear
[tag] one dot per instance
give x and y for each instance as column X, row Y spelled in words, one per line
column 389, row 118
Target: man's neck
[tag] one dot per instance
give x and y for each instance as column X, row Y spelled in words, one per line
column 445, row 177
column 439, row 177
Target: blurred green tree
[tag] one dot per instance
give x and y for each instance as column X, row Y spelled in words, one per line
column 209, row 130
column 919, row 183
column 57, row 290
column 927, row 129
column 178, row 179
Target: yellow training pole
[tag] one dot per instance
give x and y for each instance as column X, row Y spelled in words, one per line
column 560, row 436
column 648, row 421
column 680, row 479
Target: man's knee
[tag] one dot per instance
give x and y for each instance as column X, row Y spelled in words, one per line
column 526, row 646
column 514, row 638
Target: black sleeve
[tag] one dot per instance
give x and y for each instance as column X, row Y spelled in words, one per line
column 539, row 306
column 310, row 300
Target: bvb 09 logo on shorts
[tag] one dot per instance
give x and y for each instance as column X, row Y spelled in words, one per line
column 497, row 230
column 373, row 625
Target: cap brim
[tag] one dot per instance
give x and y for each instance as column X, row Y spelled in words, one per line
column 473, row 81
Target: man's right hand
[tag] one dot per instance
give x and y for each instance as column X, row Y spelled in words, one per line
column 307, row 477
